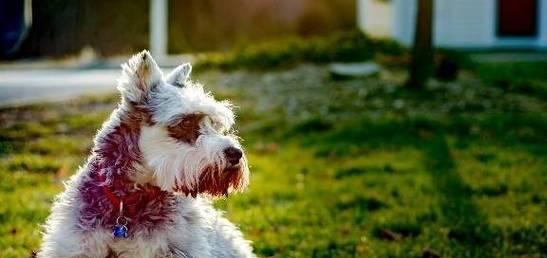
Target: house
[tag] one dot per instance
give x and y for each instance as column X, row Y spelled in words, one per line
column 471, row 24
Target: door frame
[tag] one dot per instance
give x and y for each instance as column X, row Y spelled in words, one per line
column 520, row 42
column 537, row 22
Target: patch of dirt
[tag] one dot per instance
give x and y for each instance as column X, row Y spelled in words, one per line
column 308, row 91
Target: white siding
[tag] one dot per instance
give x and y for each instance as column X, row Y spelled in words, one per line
column 458, row 23
column 375, row 17
column 465, row 23
column 461, row 23
column 361, row 14
column 542, row 39
column 404, row 21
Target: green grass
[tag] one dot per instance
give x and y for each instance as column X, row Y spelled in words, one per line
column 338, row 170
column 526, row 77
column 513, row 71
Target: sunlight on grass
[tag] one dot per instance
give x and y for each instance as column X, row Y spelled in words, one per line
column 357, row 178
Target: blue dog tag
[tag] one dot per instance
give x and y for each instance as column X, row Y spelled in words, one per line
column 119, row 231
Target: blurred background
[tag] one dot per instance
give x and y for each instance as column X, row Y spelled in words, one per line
column 374, row 128
column 64, row 28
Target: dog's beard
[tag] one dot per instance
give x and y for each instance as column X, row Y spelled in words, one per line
column 217, row 181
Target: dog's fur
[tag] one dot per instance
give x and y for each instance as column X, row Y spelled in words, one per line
column 163, row 150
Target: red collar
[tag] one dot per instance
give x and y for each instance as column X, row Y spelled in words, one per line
column 131, row 201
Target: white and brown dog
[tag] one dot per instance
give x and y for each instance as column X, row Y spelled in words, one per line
column 144, row 190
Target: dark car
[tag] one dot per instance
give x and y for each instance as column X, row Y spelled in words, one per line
column 15, row 21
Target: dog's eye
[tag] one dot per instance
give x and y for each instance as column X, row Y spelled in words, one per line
column 187, row 130
column 187, row 122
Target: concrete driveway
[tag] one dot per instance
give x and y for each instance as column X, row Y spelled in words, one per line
column 26, row 86
column 45, row 80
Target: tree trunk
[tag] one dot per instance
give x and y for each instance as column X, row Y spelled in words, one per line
column 421, row 66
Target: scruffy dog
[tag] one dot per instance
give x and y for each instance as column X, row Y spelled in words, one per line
column 144, row 190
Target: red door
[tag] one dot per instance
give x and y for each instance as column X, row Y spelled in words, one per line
column 517, row 18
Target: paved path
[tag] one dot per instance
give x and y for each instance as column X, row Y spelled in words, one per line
column 27, row 82
column 26, row 86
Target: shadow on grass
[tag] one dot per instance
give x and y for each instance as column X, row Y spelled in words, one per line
column 521, row 131
column 467, row 226
column 465, row 229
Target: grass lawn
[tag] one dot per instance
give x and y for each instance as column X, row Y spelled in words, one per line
column 355, row 168
column 526, row 77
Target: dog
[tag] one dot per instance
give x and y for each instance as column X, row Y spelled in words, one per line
column 146, row 188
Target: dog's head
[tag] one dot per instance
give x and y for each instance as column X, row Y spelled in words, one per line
column 187, row 144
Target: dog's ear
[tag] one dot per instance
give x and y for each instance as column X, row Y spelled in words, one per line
column 139, row 75
column 179, row 75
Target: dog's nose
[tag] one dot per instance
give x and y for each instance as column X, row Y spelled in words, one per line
column 233, row 155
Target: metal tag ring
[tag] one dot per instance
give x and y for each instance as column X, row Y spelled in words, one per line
column 121, row 219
